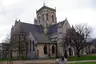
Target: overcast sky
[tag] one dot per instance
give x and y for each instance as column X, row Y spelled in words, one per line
column 76, row 11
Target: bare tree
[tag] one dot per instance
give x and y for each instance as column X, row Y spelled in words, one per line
column 7, row 39
column 65, row 43
column 5, row 46
column 78, row 37
column 19, row 44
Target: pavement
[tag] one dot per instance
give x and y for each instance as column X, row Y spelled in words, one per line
column 81, row 61
column 44, row 62
column 40, row 61
column 68, row 62
column 30, row 62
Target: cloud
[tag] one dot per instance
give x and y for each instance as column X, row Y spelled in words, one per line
column 77, row 11
column 7, row 3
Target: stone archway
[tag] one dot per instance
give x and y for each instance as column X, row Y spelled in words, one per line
column 53, row 49
column 70, row 51
column 65, row 54
column 45, row 49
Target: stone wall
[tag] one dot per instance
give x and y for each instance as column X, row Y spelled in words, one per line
column 40, row 49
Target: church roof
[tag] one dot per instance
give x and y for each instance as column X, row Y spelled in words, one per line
column 36, row 31
column 54, row 28
column 45, row 7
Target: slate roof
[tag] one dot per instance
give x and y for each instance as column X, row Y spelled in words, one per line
column 54, row 28
column 36, row 31
column 45, row 7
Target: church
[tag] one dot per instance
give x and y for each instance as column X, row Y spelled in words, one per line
column 42, row 39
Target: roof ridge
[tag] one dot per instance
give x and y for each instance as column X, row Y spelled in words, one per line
column 45, row 7
column 29, row 23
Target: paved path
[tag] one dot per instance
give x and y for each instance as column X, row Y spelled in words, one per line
column 30, row 62
column 68, row 62
column 44, row 62
column 81, row 61
column 41, row 61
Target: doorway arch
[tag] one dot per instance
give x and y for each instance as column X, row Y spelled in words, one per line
column 45, row 49
column 53, row 49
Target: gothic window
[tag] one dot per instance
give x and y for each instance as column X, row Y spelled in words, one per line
column 47, row 16
column 52, row 18
column 30, row 45
column 53, row 49
column 43, row 17
column 33, row 46
column 39, row 19
column 65, row 54
column 70, row 51
column 45, row 49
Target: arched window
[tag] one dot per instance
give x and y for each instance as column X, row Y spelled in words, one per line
column 39, row 19
column 52, row 18
column 30, row 45
column 45, row 49
column 47, row 16
column 43, row 17
column 70, row 51
column 53, row 49
column 65, row 54
column 33, row 46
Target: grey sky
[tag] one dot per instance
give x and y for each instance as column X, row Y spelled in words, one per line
column 76, row 11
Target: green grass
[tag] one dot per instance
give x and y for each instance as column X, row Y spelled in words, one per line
column 4, row 59
column 84, row 63
column 85, row 57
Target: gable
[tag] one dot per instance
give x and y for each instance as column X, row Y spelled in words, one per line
column 31, row 37
column 45, row 7
column 66, row 25
column 60, row 25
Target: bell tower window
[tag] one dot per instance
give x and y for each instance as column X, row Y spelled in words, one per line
column 47, row 16
column 52, row 18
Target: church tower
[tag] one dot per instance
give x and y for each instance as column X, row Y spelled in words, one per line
column 46, row 16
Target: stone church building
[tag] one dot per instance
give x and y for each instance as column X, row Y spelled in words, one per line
column 41, row 39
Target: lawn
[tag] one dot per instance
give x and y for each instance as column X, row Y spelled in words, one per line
column 84, row 57
column 84, row 63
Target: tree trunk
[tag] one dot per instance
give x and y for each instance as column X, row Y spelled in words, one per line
column 78, row 53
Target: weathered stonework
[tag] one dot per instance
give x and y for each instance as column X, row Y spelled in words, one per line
column 44, row 31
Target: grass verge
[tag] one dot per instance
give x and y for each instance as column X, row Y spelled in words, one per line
column 84, row 63
column 84, row 57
